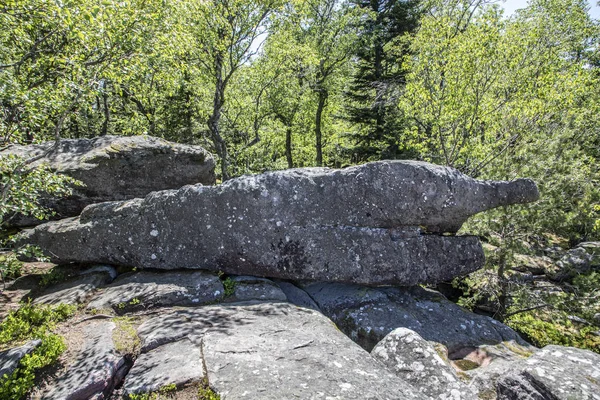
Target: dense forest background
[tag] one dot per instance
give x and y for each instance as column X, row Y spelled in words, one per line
column 273, row 84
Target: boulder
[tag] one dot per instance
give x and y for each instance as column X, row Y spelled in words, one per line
column 145, row 289
column 115, row 168
column 96, row 370
column 9, row 359
column 554, row 372
column 176, row 363
column 417, row 361
column 363, row 224
column 246, row 288
column 76, row 290
column 582, row 259
column 275, row 351
column 368, row 314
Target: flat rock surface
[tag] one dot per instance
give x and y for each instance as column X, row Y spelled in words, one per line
column 290, row 225
column 554, row 372
column 415, row 360
column 116, row 168
column 297, row 296
column 9, row 359
column 276, row 351
column 368, row 314
column 95, row 371
column 176, row 363
column 251, row 288
column 74, row 291
column 159, row 289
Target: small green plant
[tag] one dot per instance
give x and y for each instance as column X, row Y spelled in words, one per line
column 229, row 286
column 134, row 301
column 52, row 277
column 206, row 393
column 31, row 322
column 164, row 392
column 10, row 267
column 125, row 335
column 121, row 306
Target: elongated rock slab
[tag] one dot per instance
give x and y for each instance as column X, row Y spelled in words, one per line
column 274, row 351
column 362, row 224
column 116, row 168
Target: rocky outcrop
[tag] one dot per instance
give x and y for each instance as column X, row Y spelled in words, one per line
column 367, row 224
column 273, row 351
column 78, row 289
column 417, row 361
column 142, row 290
column 555, row 372
column 95, row 371
column 176, row 363
column 115, row 168
column 368, row 314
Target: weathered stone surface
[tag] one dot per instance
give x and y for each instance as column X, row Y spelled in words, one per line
column 151, row 289
column 175, row 363
column 96, row 370
column 9, row 359
column 252, row 288
column 297, row 296
column 117, row 168
column 74, row 291
column 276, row 351
column 555, row 372
column 367, row 315
column 415, row 360
column 482, row 366
column 579, row 260
column 360, row 224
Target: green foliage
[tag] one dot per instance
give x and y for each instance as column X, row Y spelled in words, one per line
column 10, row 267
column 125, row 335
column 164, row 392
column 31, row 322
column 229, row 286
column 206, row 393
column 23, row 187
column 20, row 382
column 544, row 329
column 52, row 277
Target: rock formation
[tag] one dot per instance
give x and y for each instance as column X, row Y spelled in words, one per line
column 371, row 224
column 115, row 168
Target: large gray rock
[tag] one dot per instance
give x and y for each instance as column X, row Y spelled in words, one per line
column 367, row 315
column 276, row 351
column 74, row 291
column 246, row 288
column 415, row 360
column 362, row 224
column 9, row 359
column 96, row 370
column 582, row 259
column 116, row 168
column 151, row 289
column 554, row 373
column 176, row 363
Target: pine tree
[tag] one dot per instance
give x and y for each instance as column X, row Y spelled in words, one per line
column 372, row 93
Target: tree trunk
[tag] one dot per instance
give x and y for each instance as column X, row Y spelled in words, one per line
column 213, row 121
column 106, row 110
column 288, row 146
column 318, row 120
